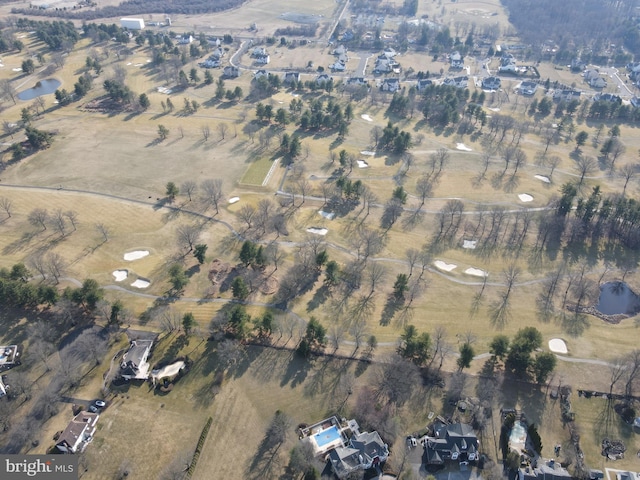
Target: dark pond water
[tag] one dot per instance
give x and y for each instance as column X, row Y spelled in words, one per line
column 616, row 298
column 43, row 87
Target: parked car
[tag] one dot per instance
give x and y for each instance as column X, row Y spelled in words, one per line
column 100, row 403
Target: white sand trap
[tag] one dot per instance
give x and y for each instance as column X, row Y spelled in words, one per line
column 168, row 371
column 233, row 200
column 17, row 69
column 135, row 255
column 120, row 275
column 149, row 60
column 362, row 164
column 476, row 272
column 366, row 117
column 141, row 283
column 525, row 197
column 557, row 345
column 463, row 147
column 447, row 267
column 318, row 231
column 327, row 215
column 495, row 109
column 129, row 64
column 543, row 178
column 368, row 153
column 139, row 64
column 470, row 244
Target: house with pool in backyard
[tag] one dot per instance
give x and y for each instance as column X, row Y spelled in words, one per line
column 344, row 446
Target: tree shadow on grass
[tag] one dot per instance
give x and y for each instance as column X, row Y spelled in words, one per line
column 390, row 309
column 297, row 371
column 319, row 298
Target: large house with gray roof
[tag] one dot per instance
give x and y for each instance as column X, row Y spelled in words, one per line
column 455, row 442
column 134, row 365
column 78, row 433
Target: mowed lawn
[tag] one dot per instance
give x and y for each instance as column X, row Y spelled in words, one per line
column 147, row 431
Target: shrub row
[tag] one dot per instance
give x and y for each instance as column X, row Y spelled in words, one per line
column 196, row 454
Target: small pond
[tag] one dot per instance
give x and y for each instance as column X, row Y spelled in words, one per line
column 617, row 298
column 43, row 87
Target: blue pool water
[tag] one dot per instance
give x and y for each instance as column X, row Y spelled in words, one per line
column 518, row 433
column 327, row 436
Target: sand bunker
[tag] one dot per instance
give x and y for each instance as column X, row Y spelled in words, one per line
column 557, row 345
column 447, row 267
column 168, row 371
column 327, row 215
column 17, row 69
column 525, row 197
column 362, row 164
column 234, row 200
column 120, row 275
column 368, row 153
column 476, row 272
column 135, row 255
column 463, row 147
column 495, row 109
column 366, row 117
column 141, row 283
column 542, row 178
column 317, row 231
column 470, row 244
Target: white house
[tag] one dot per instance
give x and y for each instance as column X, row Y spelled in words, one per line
column 456, row 60
column 263, row 59
column 391, row 85
column 458, row 82
column 78, row 433
column 363, row 451
column 528, row 88
column 491, row 83
column 423, row 83
column 323, row 78
column 291, row 77
column 260, row 73
column 185, row 40
column 134, row 364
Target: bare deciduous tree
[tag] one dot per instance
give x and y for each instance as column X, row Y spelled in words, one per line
column 206, row 132
column 212, row 193
column 104, row 231
column 72, row 216
column 56, row 266
column 38, row 218
column 59, row 222
column 188, row 235
column 189, row 188
column 223, row 128
column 5, row 204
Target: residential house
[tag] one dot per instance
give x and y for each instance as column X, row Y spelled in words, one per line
column 78, row 433
column 627, row 476
column 391, row 85
column 210, row 63
column 291, row 77
column 263, row 59
column 185, row 40
column 458, row 82
column 323, row 78
column 491, row 83
column 3, row 387
column 577, row 65
column 566, row 95
column 451, row 442
column 348, row 35
column 383, row 65
column 259, row 52
column 339, row 50
column 527, row 88
column 217, row 53
column 544, row 470
column 357, row 81
column 362, row 452
column 607, row 97
column 134, row 364
column 635, row 101
column 260, row 73
column 231, row 71
column 347, row 449
column 423, row 83
column 456, row 60
column 593, row 78
column 338, row 66
column 9, row 356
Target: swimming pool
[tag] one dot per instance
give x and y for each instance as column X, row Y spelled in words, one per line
column 327, row 436
column 518, row 435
